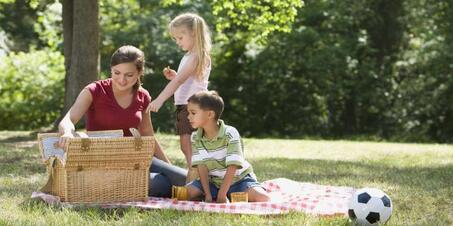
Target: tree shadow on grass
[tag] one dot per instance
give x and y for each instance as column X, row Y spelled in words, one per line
column 328, row 172
column 30, row 205
column 20, row 138
column 20, row 161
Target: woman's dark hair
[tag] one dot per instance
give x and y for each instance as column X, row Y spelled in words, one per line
column 130, row 54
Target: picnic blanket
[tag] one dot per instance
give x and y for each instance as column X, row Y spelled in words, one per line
column 286, row 196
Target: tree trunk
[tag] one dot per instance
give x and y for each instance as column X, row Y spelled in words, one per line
column 67, row 48
column 81, row 46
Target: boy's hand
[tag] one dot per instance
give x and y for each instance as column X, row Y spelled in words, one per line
column 169, row 73
column 222, row 199
column 227, row 180
column 154, row 106
column 208, row 198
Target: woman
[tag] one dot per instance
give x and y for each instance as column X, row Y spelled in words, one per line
column 120, row 103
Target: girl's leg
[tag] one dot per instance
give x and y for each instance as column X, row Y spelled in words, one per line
column 186, row 148
column 257, row 194
column 184, row 130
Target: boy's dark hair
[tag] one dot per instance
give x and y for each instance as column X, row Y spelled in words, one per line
column 208, row 101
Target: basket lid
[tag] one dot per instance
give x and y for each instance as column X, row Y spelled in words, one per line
column 48, row 142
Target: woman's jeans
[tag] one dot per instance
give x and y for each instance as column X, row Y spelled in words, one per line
column 163, row 176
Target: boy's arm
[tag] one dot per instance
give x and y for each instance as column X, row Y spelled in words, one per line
column 203, row 173
column 197, row 161
column 229, row 175
column 234, row 160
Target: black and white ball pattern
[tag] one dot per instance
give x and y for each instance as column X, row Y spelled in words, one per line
column 370, row 206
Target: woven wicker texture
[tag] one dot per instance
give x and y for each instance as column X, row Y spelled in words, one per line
column 101, row 169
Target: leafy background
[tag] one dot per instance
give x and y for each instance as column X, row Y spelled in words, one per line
column 333, row 69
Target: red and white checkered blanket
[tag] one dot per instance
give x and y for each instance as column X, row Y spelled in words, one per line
column 286, row 195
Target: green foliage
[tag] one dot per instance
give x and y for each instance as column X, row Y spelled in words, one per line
column 369, row 68
column 18, row 18
column 31, row 89
column 350, row 67
column 254, row 20
column 49, row 26
column 248, row 20
column 307, row 82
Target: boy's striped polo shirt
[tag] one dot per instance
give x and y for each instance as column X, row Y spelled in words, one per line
column 220, row 152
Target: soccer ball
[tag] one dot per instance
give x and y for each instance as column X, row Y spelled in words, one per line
column 370, row 206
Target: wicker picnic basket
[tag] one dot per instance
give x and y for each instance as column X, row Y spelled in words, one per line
column 99, row 169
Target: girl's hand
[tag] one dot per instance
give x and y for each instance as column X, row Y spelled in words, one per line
column 64, row 138
column 169, row 73
column 154, row 106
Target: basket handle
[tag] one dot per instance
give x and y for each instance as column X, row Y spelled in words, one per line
column 138, row 139
column 50, row 171
column 135, row 132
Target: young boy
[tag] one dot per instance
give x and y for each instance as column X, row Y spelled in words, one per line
column 217, row 154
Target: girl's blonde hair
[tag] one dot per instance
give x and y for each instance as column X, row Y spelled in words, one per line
column 200, row 29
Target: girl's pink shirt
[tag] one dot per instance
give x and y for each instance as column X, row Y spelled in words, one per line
column 105, row 113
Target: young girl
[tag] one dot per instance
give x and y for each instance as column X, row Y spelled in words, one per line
column 191, row 34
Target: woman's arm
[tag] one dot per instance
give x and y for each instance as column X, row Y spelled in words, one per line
column 78, row 109
column 172, row 86
column 146, row 129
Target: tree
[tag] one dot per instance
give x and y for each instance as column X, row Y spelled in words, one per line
column 252, row 21
column 81, row 46
column 20, row 33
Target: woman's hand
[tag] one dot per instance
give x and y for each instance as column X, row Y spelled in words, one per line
column 64, row 139
column 169, row 73
column 154, row 106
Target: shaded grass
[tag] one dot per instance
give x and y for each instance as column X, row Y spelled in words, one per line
column 418, row 178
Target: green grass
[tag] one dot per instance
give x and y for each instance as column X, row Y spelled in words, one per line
column 418, row 178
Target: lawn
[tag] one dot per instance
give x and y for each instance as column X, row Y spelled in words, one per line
column 418, row 178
